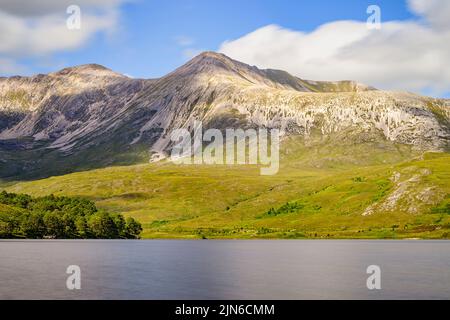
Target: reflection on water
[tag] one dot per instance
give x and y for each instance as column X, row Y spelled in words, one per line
column 224, row 269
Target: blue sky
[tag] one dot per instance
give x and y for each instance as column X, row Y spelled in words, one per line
column 145, row 42
column 150, row 38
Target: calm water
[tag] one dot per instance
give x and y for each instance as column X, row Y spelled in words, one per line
column 224, row 269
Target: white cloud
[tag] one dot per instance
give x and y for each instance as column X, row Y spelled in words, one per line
column 403, row 55
column 36, row 29
column 48, row 34
column 27, row 8
column 436, row 12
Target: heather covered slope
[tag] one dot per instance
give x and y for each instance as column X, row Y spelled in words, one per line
column 368, row 190
column 355, row 161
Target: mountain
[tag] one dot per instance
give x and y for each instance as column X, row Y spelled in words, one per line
column 90, row 117
column 355, row 162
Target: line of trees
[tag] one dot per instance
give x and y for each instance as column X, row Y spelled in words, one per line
column 22, row 216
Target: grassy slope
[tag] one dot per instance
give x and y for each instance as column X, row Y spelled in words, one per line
column 331, row 183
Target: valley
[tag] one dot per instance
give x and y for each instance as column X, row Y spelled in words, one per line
column 318, row 195
column 355, row 162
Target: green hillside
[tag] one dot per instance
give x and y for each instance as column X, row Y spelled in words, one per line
column 371, row 189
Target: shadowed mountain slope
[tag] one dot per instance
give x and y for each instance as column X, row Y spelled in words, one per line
column 89, row 116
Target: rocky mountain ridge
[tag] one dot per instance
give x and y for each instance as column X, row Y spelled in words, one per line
column 92, row 114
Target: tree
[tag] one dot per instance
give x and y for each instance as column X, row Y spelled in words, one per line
column 18, row 200
column 70, row 229
column 102, row 226
column 9, row 224
column 120, row 224
column 133, row 228
column 33, row 225
column 54, row 225
column 82, row 227
column 60, row 217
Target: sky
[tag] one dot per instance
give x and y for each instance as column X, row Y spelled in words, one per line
column 319, row 40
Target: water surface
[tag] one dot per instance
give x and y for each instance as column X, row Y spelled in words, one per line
column 119, row 269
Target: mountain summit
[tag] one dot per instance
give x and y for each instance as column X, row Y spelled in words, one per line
column 214, row 65
column 89, row 116
column 94, row 70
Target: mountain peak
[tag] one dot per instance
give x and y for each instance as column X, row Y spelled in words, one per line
column 91, row 69
column 213, row 65
column 223, row 69
column 212, row 62
column 212, row 54
column 86, row 114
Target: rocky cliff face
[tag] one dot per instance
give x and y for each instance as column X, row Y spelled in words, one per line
column 92, row 114
column 67, row 103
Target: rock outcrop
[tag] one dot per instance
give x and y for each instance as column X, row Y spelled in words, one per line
column 91, row 110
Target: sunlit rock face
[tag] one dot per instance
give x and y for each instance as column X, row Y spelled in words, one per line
column 83, row 108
